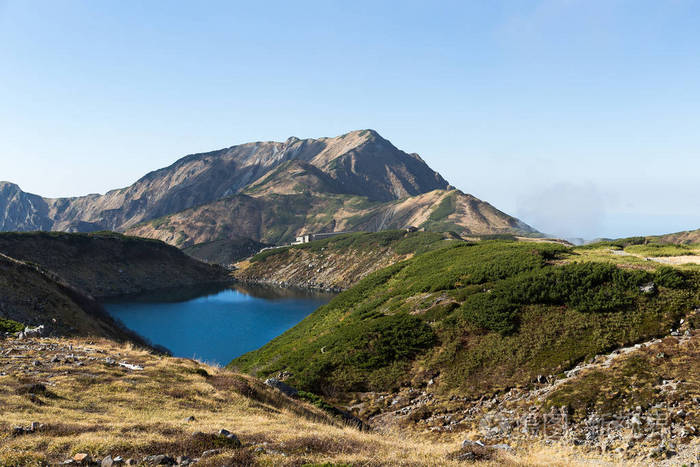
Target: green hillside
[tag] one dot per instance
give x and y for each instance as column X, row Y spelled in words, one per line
column 475, row 318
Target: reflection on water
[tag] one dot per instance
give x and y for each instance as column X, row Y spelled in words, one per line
column 215, row 323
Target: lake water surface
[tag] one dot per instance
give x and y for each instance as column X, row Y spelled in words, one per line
column 215, row 325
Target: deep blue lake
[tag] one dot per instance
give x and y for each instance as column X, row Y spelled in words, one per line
column 215, row 325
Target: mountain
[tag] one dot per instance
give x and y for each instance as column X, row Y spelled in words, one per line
column 268, row 192
column 22, row 211
column 277, row 218
column 109, row 264
column 688, row 237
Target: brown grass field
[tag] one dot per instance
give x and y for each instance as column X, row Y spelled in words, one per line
column 87, row 404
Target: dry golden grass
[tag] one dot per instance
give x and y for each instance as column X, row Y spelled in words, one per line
column 88, row 405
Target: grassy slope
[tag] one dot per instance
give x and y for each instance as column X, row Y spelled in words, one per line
column 110, row 410
column 338, row 262
column 477, row 318
column 107, row 264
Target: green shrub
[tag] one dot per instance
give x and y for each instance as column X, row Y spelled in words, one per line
column 7, row 325
column 672, row 278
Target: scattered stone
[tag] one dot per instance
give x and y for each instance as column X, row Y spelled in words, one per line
column 183, row 460
column 160, row 459
column 210, row 453
column 281, row 386
column 230, row 437
column 189, row 419
column 467, row 443
column 107, row 462
column 502, row 447
column 34, row 332
column 131, row 366
column 82, row 458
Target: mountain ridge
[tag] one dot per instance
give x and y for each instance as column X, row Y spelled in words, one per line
column 361, row 167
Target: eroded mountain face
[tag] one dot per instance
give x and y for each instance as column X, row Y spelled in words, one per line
column 268, row 191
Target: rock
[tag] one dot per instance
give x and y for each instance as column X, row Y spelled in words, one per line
column 36, row 363
column 231, row 438
column 160, row 459
column 107, row 462
column 18, row 430
column 466, row 456
column 34, row 332
column 210, row 453
column 131, row 366
column 131, row 462
column 189, row 419
column 183, row 460
column 648, row 289
column 281, row 386
column 467, row 443
column 34, row 426
column 82, row 458
column 502, row 447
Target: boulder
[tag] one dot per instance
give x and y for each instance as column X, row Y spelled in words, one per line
column 210, row 453
column 281, row 386
column 160, row 459
column 82, row 458
column 34, row 332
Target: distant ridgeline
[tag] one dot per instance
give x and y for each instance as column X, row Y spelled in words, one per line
column 269, row 193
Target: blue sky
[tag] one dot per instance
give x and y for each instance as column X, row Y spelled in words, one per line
column 580, row 117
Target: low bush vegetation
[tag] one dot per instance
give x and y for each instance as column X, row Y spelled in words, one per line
column 7, row 325
column 481, row 315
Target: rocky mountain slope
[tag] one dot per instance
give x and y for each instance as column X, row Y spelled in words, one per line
column 109, row 264
column 32, row 296
column 269, row 192
column 336, row 263
column 360, row 162
column 279, row 218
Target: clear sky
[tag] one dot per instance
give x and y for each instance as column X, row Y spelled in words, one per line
column 580, row 117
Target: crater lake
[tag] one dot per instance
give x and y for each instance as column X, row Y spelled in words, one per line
column 215, row 324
